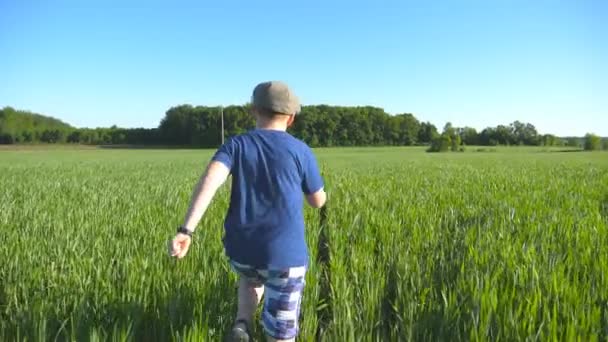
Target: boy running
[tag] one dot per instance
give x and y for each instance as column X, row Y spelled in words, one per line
column 264, row 226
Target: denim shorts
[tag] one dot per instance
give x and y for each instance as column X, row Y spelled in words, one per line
column 282, row 297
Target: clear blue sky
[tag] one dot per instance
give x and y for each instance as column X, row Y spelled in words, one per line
column 476, row 63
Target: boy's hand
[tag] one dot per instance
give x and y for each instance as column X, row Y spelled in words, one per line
column 179, row 246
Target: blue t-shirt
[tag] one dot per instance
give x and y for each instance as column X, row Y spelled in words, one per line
column 264, row 226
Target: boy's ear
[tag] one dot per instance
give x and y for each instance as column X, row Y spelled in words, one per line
column 290, row 121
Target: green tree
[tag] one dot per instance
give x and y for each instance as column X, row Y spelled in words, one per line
column 503, row 135
column 574, row 142
column 592, row 142
column 427, row 133
column 523, row 134
column 404, row 129
column 17, row 126
column 469, row 136
column 550, row 140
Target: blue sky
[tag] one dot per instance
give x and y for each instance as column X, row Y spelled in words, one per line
column 476, row 63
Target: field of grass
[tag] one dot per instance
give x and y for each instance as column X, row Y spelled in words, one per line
column 504, row 245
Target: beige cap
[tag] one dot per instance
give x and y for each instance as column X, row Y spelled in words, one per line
column 275, row 96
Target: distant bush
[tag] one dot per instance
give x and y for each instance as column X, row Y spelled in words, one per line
column 449, row 140
column 440, row 144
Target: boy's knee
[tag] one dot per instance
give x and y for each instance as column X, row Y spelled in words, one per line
column 251, row 283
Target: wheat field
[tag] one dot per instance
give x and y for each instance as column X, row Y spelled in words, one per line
column 505, row 244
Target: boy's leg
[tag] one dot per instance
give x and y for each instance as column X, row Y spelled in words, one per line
column 250, row 293
column 282, row 303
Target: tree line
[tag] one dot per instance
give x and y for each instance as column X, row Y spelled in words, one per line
column 317, row 125
column 21, row 126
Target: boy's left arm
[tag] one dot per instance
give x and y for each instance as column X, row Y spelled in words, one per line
column 215, row 175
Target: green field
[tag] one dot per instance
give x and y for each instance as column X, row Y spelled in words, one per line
column 504, row 245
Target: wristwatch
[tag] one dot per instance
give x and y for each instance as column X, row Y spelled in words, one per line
column 184, row 230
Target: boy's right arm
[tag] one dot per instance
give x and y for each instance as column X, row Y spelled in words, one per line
column 312, row 183
column 317, row 199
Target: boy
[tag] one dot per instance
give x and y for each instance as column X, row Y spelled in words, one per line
column 264, row 226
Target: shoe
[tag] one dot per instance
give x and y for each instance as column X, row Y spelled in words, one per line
column 238, row 334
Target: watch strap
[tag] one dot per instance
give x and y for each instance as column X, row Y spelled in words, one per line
column 184, row 230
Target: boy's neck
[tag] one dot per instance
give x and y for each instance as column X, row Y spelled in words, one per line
column 271, row 125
